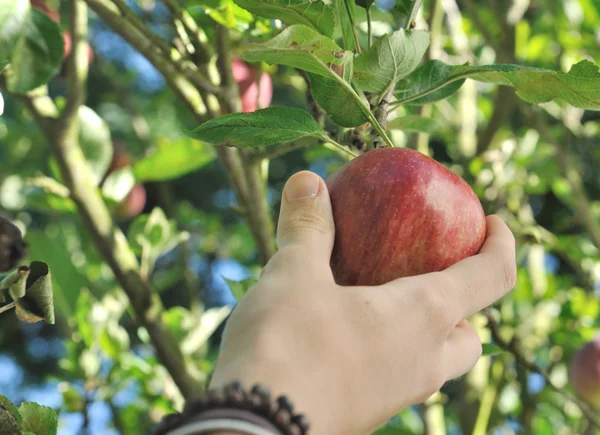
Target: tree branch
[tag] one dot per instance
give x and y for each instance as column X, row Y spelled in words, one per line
column 78, row 61
column 533, row 367
column 109, row 240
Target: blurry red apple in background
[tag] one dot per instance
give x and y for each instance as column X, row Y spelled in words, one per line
column 69, row 44
column 135, row 201
column 400, row 213
column 584, row 372
column 254, row 95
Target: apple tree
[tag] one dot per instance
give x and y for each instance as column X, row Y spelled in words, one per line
column 143, row 145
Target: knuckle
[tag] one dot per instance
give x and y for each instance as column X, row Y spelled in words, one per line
column 438, row 310
column 509, row 272
column 304, row 220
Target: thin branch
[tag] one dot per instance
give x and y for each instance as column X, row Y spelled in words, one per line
column 533, row 367
column 78, row 61
column 195, row 34
column 8, row 307
column 137, row 22
column 369, row 31
column 224, row 62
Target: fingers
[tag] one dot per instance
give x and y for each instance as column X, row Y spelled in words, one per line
column 306, row 217
column 478, row 281
column 462, row 350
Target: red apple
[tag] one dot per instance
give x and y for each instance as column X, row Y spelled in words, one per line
column 400, row 213
column 69, row 45
column 132, row 205
column 584, row 372
column 253, row 95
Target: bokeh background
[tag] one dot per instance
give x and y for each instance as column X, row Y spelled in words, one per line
column 537, row 169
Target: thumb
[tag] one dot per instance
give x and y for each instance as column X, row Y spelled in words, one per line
column 306, row 218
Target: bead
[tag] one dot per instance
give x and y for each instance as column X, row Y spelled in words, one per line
column 283, row 418
column 302, row 422
column 235, row 386
column 285, row 403
column 262, row 391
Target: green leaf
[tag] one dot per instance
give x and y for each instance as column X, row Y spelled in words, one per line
column 491, row 349
column 47, row 195
column 345, row 17
column 118, row 184
column 580, row 87
column 341, row 106
column 10, row 418
column 389, row 59
column 38, row 54
column 16, row 282
column 428, row 84
column 152, row 235
column 114, row 340
column 41, row 420
column 414, row 123
column 83, row 307
column 240, row 288
column 38, row 302
column 14, row 15
column 228, row 14
column 299, row 46
column 313, row 13
column 95, row 141
column 263, row 127
column 172, row 160
column 365, row 3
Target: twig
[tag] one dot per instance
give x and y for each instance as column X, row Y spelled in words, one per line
column 8, row 307
column 533, row 367
column 195, row 34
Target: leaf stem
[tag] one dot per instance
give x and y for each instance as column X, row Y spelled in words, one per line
column 369, row 30
column 8, row 307
column 338, row 145
column 351, row 19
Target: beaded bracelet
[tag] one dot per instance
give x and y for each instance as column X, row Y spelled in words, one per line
column 234, row 408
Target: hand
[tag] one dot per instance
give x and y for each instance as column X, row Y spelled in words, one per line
column 350, row 358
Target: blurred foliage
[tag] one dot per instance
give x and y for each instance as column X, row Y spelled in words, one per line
column 537, row 172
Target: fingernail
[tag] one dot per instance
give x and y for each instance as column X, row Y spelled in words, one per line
column 302, row 185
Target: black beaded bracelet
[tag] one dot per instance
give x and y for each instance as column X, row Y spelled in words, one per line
column 233, row 402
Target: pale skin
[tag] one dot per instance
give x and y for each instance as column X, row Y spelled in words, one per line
column 350, row 358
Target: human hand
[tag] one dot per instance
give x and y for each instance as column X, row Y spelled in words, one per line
column 350, row 358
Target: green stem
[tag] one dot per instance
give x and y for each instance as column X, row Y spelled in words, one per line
column 8, row 307
column 369, row 34
column 487, row 400
column 338, row 146
column 351, row 19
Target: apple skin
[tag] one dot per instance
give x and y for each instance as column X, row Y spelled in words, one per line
column 246, row 77
column 399, row 213
column 132, row 205
column 584, row 372
column 68, row 44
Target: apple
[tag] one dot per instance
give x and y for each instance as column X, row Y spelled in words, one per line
column 253, row 95
column 133, row 204
column 399, row 213
column 68, row 45
column 584, row 372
